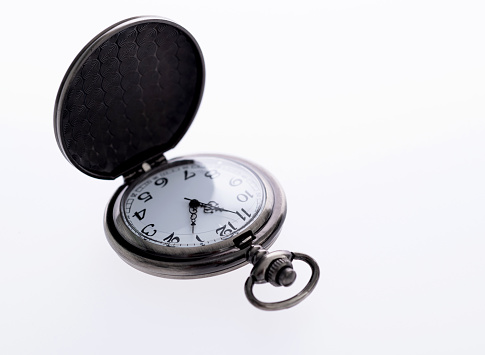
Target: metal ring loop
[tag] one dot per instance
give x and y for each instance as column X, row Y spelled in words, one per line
column 290, row 302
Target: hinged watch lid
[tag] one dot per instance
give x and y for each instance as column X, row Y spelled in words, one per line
column 129, row 96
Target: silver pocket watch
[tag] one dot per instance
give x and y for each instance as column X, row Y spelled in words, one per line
column 128, row 97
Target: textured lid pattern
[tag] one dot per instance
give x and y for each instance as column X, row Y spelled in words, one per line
column 129, row 96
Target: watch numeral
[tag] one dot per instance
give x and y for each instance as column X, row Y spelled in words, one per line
column 161, row 182
column 224, row 230
column 212, row 174
column 235, row 182
column 188, row 175
column 202, row 243
column 140, row 214
column 243, row 212
column 244, row 197
column 145, row 196
column 147, row 233
column 172, row 239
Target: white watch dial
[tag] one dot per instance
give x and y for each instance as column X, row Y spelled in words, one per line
column 193, row 203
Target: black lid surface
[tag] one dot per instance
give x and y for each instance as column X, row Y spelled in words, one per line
column 129, row 96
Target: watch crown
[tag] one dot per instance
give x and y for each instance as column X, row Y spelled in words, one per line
column 281, row 273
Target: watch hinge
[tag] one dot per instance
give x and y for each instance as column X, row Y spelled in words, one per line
column 144, row 167
column 244, row 240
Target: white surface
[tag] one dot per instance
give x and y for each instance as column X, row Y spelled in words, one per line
column 370, row 113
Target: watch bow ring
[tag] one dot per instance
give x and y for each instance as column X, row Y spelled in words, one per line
column 277, row 268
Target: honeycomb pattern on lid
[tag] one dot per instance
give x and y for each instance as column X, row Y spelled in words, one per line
column 133, row 97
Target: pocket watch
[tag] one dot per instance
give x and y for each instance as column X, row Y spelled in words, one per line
column 128, row 97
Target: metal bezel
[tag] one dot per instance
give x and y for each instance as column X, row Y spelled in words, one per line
column 209, row 260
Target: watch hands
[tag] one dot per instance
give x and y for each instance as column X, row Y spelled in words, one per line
column 193, row 214
column 208, row 208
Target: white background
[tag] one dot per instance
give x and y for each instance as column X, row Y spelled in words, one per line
column 370, row 113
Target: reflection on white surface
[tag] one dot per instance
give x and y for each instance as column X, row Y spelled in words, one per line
column 371, row 116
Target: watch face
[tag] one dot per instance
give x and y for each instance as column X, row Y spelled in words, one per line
column 192, row 204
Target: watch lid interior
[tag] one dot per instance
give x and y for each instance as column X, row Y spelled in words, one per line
column 129, row 96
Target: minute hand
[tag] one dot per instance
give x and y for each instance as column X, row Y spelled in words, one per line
column 198, row 203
